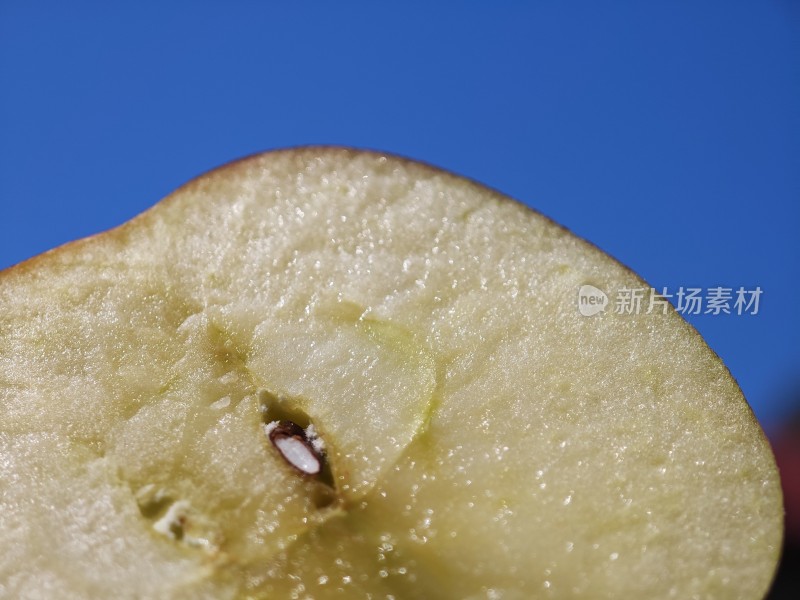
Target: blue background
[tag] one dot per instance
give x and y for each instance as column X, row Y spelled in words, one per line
column 666, row 133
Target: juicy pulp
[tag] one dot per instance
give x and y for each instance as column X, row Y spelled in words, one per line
column 484, row 438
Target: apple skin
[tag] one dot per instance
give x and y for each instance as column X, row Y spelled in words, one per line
column 484, row 437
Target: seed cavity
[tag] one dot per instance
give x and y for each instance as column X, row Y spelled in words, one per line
column 174, row 520
column 177, row 520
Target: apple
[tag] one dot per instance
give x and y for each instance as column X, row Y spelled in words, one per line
column 322, row 373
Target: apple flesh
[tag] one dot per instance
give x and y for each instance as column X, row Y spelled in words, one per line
column 482, row 438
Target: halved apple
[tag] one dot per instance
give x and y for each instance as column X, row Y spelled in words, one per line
column 450, row 425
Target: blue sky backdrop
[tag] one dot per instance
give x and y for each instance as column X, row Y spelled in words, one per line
column 667, row 133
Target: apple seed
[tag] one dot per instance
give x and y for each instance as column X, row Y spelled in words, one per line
column 301, row 450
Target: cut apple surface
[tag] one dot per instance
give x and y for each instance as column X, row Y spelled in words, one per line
column 451, row 425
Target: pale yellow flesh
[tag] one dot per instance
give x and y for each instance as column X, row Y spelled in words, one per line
column 485, row 439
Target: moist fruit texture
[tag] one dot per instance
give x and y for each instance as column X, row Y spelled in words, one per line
column 482, row 438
